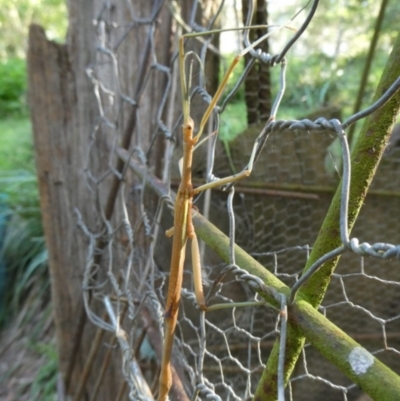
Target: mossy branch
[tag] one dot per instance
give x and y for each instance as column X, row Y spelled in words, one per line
column 365, row 158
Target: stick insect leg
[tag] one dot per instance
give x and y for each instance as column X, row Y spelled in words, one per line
column 196, row 264
column 198, row 285
column 169, row 232
column 197, row 277
column 222, row 181
column 232, row 178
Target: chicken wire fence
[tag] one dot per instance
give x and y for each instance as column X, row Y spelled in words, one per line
column 274, row 215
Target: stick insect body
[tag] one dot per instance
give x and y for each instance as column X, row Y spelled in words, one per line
column 183, row 227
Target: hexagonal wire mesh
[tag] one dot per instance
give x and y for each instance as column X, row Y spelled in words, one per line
column 278, row 212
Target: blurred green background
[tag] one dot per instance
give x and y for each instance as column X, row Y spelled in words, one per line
column 323, row 68
column 27, row 348
column 22, row 251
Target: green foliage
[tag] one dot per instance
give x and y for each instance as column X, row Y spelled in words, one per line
column 236, row 73
column 16, row 146
column 308, row 84
column 233, row 121
column 322, row 80
column 13, row 87
column 22, row 248
column 15, row 17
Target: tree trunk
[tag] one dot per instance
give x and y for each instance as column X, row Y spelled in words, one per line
column 71, row 140
column 258, row 81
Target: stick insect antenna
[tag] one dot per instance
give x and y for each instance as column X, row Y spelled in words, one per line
column 184, row 88
column 228, row 73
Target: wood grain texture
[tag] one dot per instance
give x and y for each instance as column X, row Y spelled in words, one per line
column 62, row 109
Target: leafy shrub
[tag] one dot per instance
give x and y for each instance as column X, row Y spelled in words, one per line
column 13, row 88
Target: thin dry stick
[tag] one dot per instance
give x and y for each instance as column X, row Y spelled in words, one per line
column 103, row 369
column 90, row 360
column 122, row 391
column 107, row 358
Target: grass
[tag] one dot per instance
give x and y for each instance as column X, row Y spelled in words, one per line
column 24, row 280
column 22, row 250
column 16, row 144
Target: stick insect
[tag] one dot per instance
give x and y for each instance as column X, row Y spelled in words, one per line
column 183, row 227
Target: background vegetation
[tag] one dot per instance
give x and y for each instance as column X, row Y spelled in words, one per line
column 327, row 71
column 22, row 246
column 26, row 344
